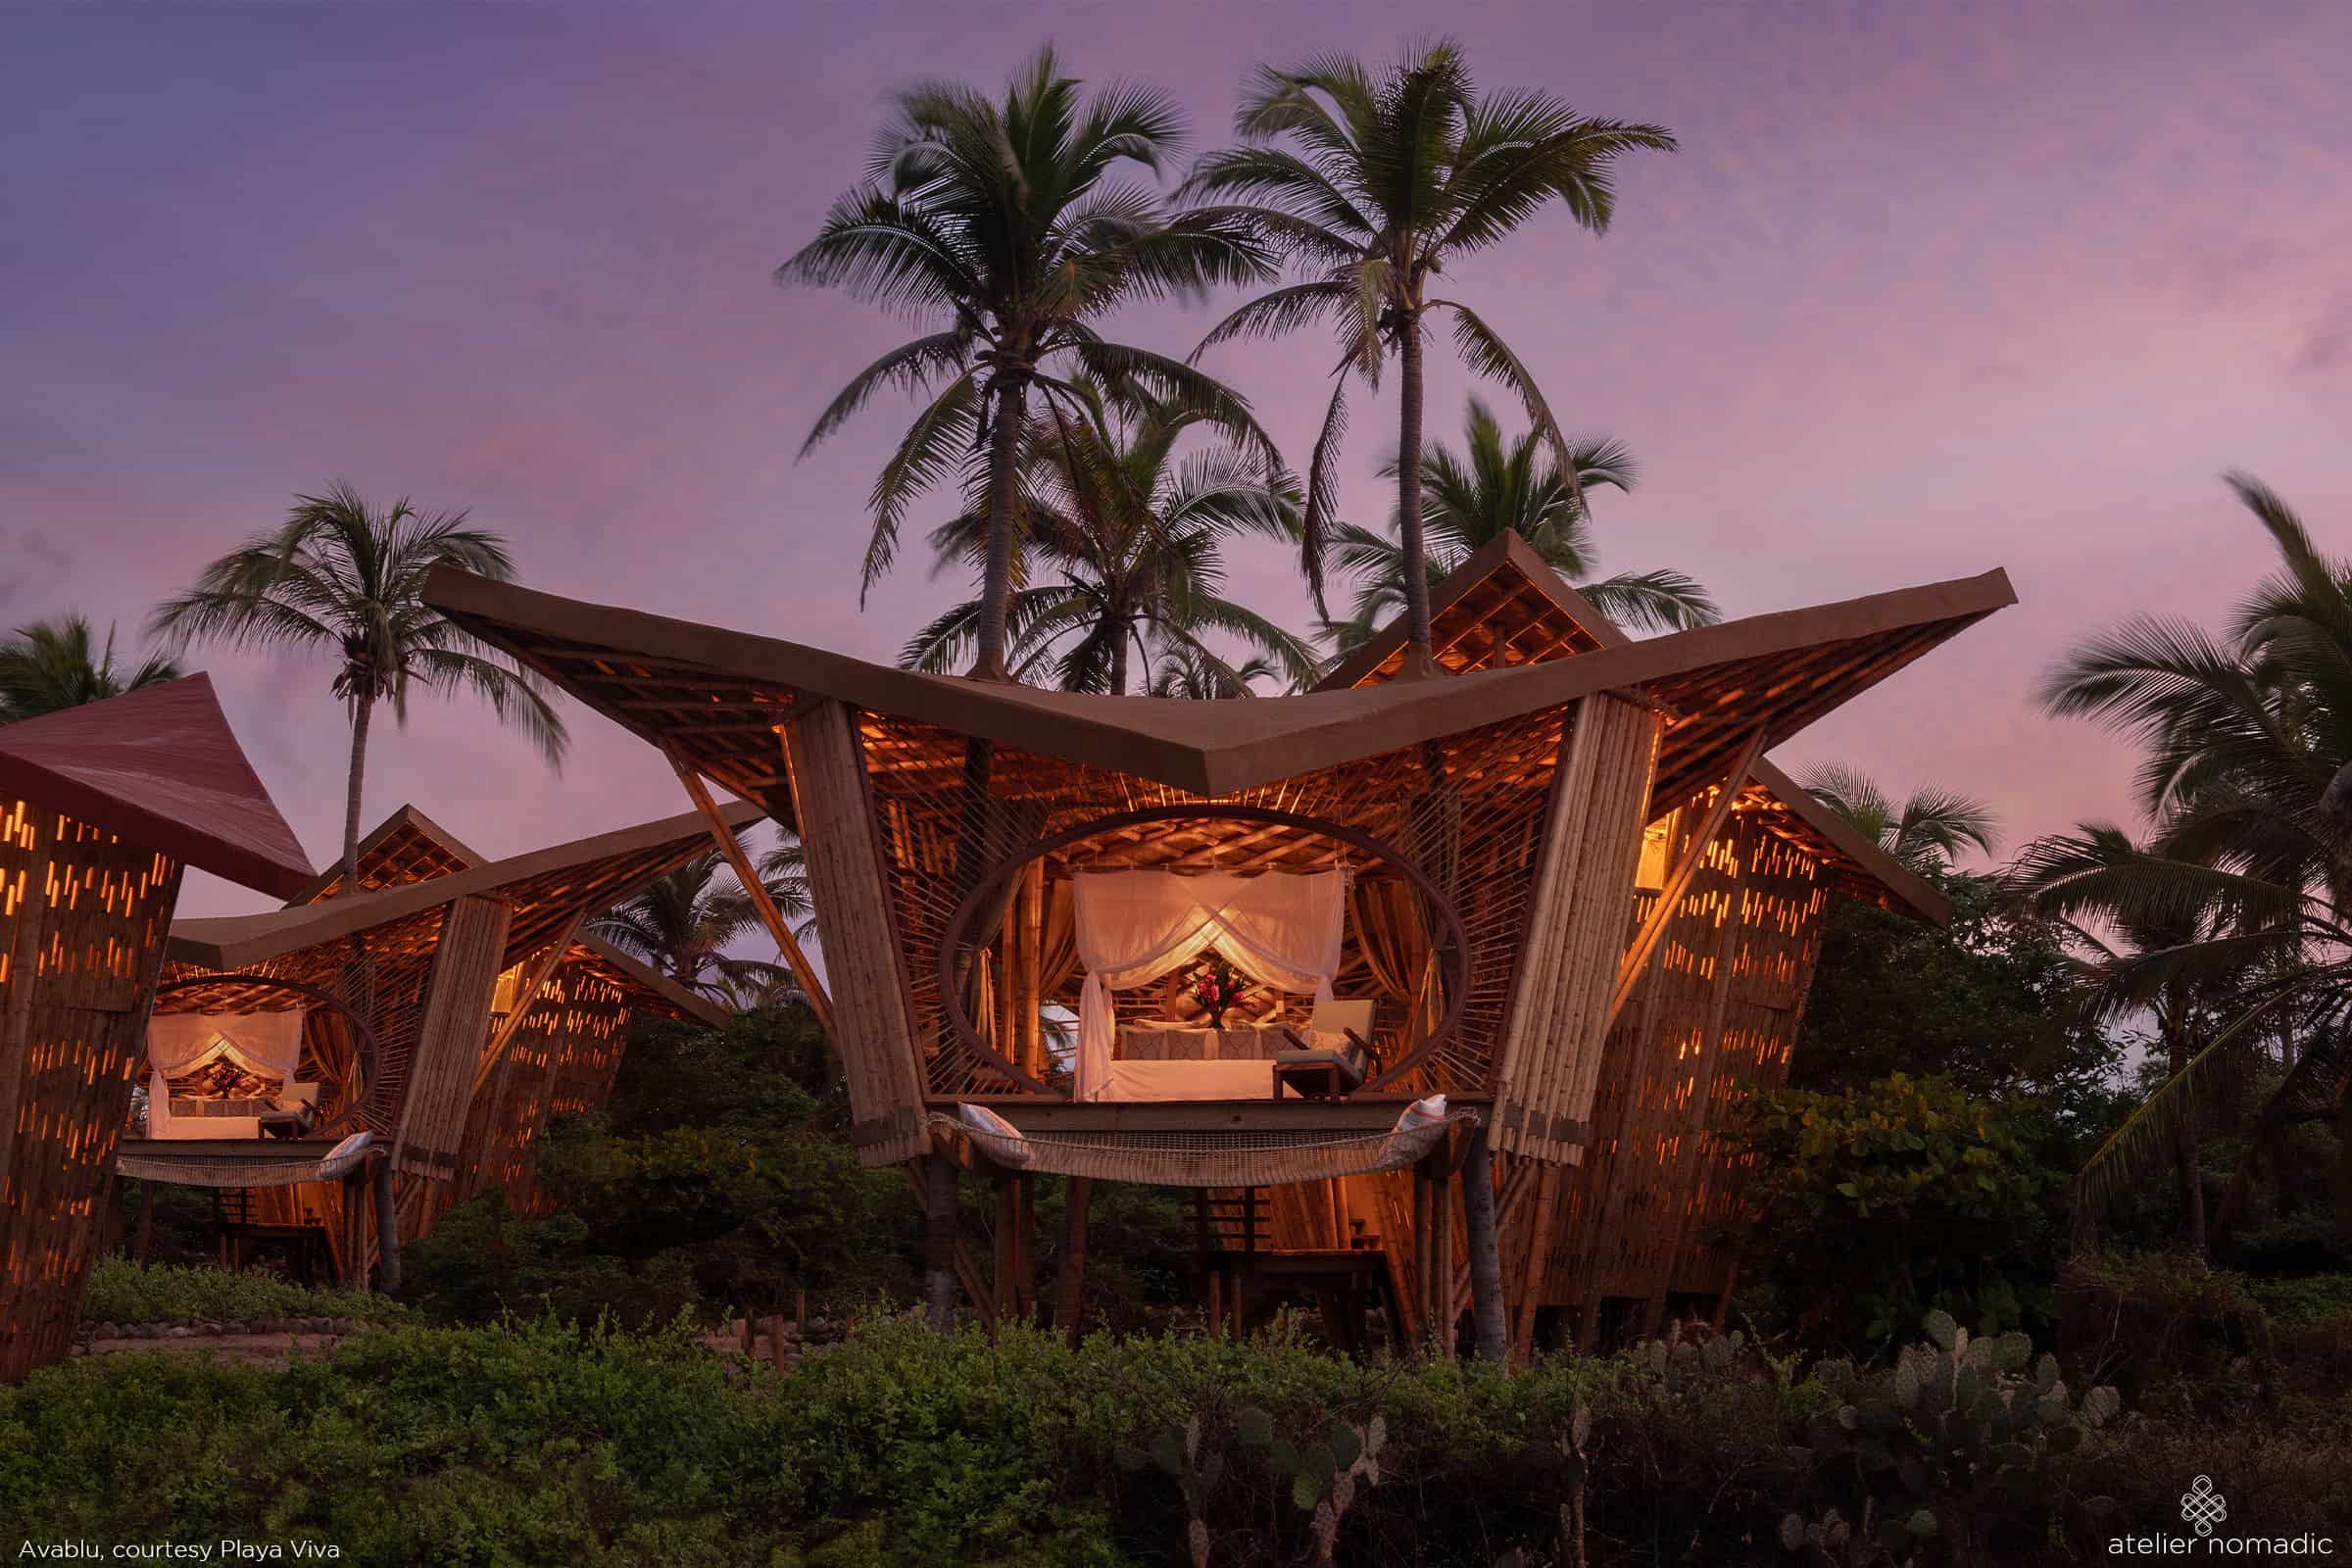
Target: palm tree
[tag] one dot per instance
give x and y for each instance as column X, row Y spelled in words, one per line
column 2237, row 898
column 1373, row 188
column 1135, row 530
column 1496, row 486
column 1006, row 226
column 1186, row 674
column 51, row 664
column 682, row 924
column 341, row 577
column 1926, row 832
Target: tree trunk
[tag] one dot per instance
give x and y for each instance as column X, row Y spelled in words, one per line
column 387, row 1229
column 1485, row 1260
column 1004, row 489
column 1069, row 1287
column 1417, row 659
column 1119, row 663
column 939, row 1241
column 362, row 709
column 2184, row 1146
column 2343, row 1163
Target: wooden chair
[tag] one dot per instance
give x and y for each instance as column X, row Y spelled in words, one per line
column 1313, row 1072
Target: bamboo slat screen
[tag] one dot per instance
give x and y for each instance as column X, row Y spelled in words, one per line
column 452, row 1028
column 83, row 920
column 1576, row 937
column 1716, row 1012
column 1468, row 812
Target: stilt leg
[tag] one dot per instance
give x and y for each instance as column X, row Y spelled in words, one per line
column 1069, row 1290
column 1486, row 1261
column 939, row 1241
column 387, row 1229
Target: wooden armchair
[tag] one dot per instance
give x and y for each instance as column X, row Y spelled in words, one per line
column 1313, row 1072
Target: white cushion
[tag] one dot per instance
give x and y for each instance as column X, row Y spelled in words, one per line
column 1423, row 1113
column 1006, row 1146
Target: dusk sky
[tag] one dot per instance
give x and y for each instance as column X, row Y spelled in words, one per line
column 1931, row 288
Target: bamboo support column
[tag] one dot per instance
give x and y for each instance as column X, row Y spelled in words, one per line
column 1445, row 1309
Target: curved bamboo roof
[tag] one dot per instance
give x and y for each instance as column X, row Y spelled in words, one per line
column 716, row 698
column 1505, row 606
column 408, row 847
column 159, row 767
column 544, row 888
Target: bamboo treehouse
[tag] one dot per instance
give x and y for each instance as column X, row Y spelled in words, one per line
column 409, row 1041
column 1490, row 930
column 101, row 807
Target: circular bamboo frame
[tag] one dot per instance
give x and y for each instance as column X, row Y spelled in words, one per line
column 1454, row 942
column 364, row 1033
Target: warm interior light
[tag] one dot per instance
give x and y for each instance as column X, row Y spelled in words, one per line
column 1650, row 875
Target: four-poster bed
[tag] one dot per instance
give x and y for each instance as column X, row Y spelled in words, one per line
column 1519, row 844
column 101, row 807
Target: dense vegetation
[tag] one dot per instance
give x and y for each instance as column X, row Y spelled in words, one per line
column 533, row 1443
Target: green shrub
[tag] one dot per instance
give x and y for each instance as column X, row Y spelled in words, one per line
column 2145, row 1319
column 2319, row 1299
column 1874, row 1206
column 120, row 1290
column 482, row 1262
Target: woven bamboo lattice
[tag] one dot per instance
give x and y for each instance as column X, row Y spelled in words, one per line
column 1217, row 1159
column 1466, row 812
column 82, row 916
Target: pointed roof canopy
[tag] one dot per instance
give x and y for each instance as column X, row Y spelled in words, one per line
column 546, row 888
column 716, row 696
column 160, row 767
column 408, row 847
column 1505, row 606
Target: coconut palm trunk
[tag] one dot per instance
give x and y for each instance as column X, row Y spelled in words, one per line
column 1419, row 661
column 1004, row 491
column 2184, row 1147
column 362, row 709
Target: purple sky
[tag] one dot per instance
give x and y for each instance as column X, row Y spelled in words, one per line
column 1930, row 289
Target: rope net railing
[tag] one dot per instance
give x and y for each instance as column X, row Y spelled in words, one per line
column 1213, row 1158
column 190, row 1167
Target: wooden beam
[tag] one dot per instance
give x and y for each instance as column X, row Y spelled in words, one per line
column 527, row 994
column 1662, row 914
column 803, row 973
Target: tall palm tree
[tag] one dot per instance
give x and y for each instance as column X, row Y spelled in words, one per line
column 1186, row 674
column 1007, row 225
column 341, row 577
column 1373, row 188
column 2238, row 895
column 682, row 923
column 1926, row 831
column 52, row 665
column 1133, row 527
column 1495, row 487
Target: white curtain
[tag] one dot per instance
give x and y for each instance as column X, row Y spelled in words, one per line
column 267, row 1044
column 1134, row 927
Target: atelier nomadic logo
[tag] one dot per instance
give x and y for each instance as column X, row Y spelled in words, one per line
column 2202, row 1507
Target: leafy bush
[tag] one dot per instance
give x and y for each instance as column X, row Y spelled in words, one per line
column 121, row 1292
column 483, row 1260
column 2149, row 1318
column 536, row 1443
column 1874, row 1206
column 2318, row 1298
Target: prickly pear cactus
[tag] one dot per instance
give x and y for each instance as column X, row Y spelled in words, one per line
column 1176, row 1453
column 1953, row 1418
column 1325, row 1473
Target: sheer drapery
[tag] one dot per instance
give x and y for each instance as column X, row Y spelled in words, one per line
column 268, row 1045
column 1134, row 927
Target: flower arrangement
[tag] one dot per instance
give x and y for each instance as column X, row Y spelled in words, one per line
column 1215, row 987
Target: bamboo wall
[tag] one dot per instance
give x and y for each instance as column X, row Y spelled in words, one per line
column 1716, row 1011
column 452, row 1033
column 560, row 1062
column 82, row 921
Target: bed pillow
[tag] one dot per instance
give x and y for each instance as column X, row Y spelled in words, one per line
column 1006, row 1144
